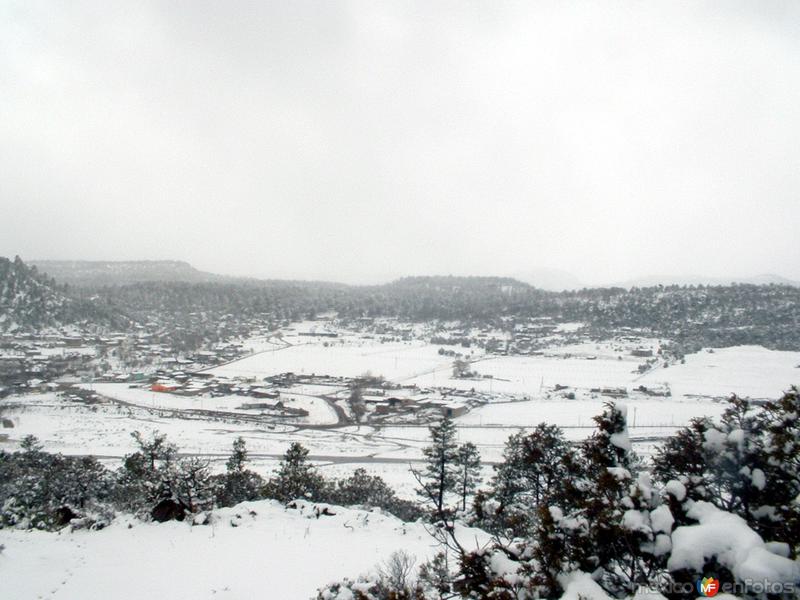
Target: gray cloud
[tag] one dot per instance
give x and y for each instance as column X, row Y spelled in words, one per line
column 360, row 141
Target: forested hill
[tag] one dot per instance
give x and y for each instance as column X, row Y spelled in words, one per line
column 32, row 301
column 693, row 316
column 483, row 299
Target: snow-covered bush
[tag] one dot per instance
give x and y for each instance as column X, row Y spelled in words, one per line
column 148, row 475
column 360, row 589
column 370, row 491
column 296, row 477
column 778, row 512
column 45, row 491
column 722, row 543
column 375, row 587
column 747, row 464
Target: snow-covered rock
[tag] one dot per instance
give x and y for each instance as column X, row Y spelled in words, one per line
column 580, row 586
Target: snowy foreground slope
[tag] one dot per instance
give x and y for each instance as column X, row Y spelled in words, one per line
column 253, row 550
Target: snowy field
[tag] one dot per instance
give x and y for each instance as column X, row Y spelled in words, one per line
column 642, row 412
column 72, row 428
column 697, row 388
column 746, row 370
column 319, row 411
column 750, row 371
column 345, row 357
column 253, row 550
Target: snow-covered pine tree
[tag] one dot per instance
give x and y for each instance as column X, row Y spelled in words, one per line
column 435, row 579
column 45, row 491
column 611, row 527
column 719, row 462
column 777, row 510
column 681, row 464
column 735, row 449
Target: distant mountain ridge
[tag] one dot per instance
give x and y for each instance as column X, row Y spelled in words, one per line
column 92, row 274
column 97, row 273
column 654, row 280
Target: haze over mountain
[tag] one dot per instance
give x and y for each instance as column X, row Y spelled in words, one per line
column 556, row 280
column 102, row 273
column 364, row 141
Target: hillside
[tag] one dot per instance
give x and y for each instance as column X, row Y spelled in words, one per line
column 695, row 316
column 691, row 316
column 244, row 551
column 32, row 301
column 90, row 273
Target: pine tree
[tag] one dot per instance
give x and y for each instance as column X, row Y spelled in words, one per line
column 720, row 462
column 736, row 447
column 611, row 527
column 84, row 480
column 361, row 488
column 147, row 475
column 468, row 476
column 682, row 458
column 435, row 578
column 193, row 485
column 238, row 484
column 238, row 457
column 439, row 476
column 532, row 471
column 296, row 478
column 43, row 490
column 775, row 505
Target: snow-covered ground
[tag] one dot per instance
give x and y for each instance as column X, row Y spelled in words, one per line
column 348, row 356
column 746, row 370
column 319, row 411
column 269, row 552
column 642, row 412
column 750, row 371
column 253, row 550
column 697, row 386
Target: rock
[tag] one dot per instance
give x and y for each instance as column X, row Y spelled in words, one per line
column 168, row 510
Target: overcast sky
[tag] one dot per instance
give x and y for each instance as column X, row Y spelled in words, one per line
column 361, row 141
